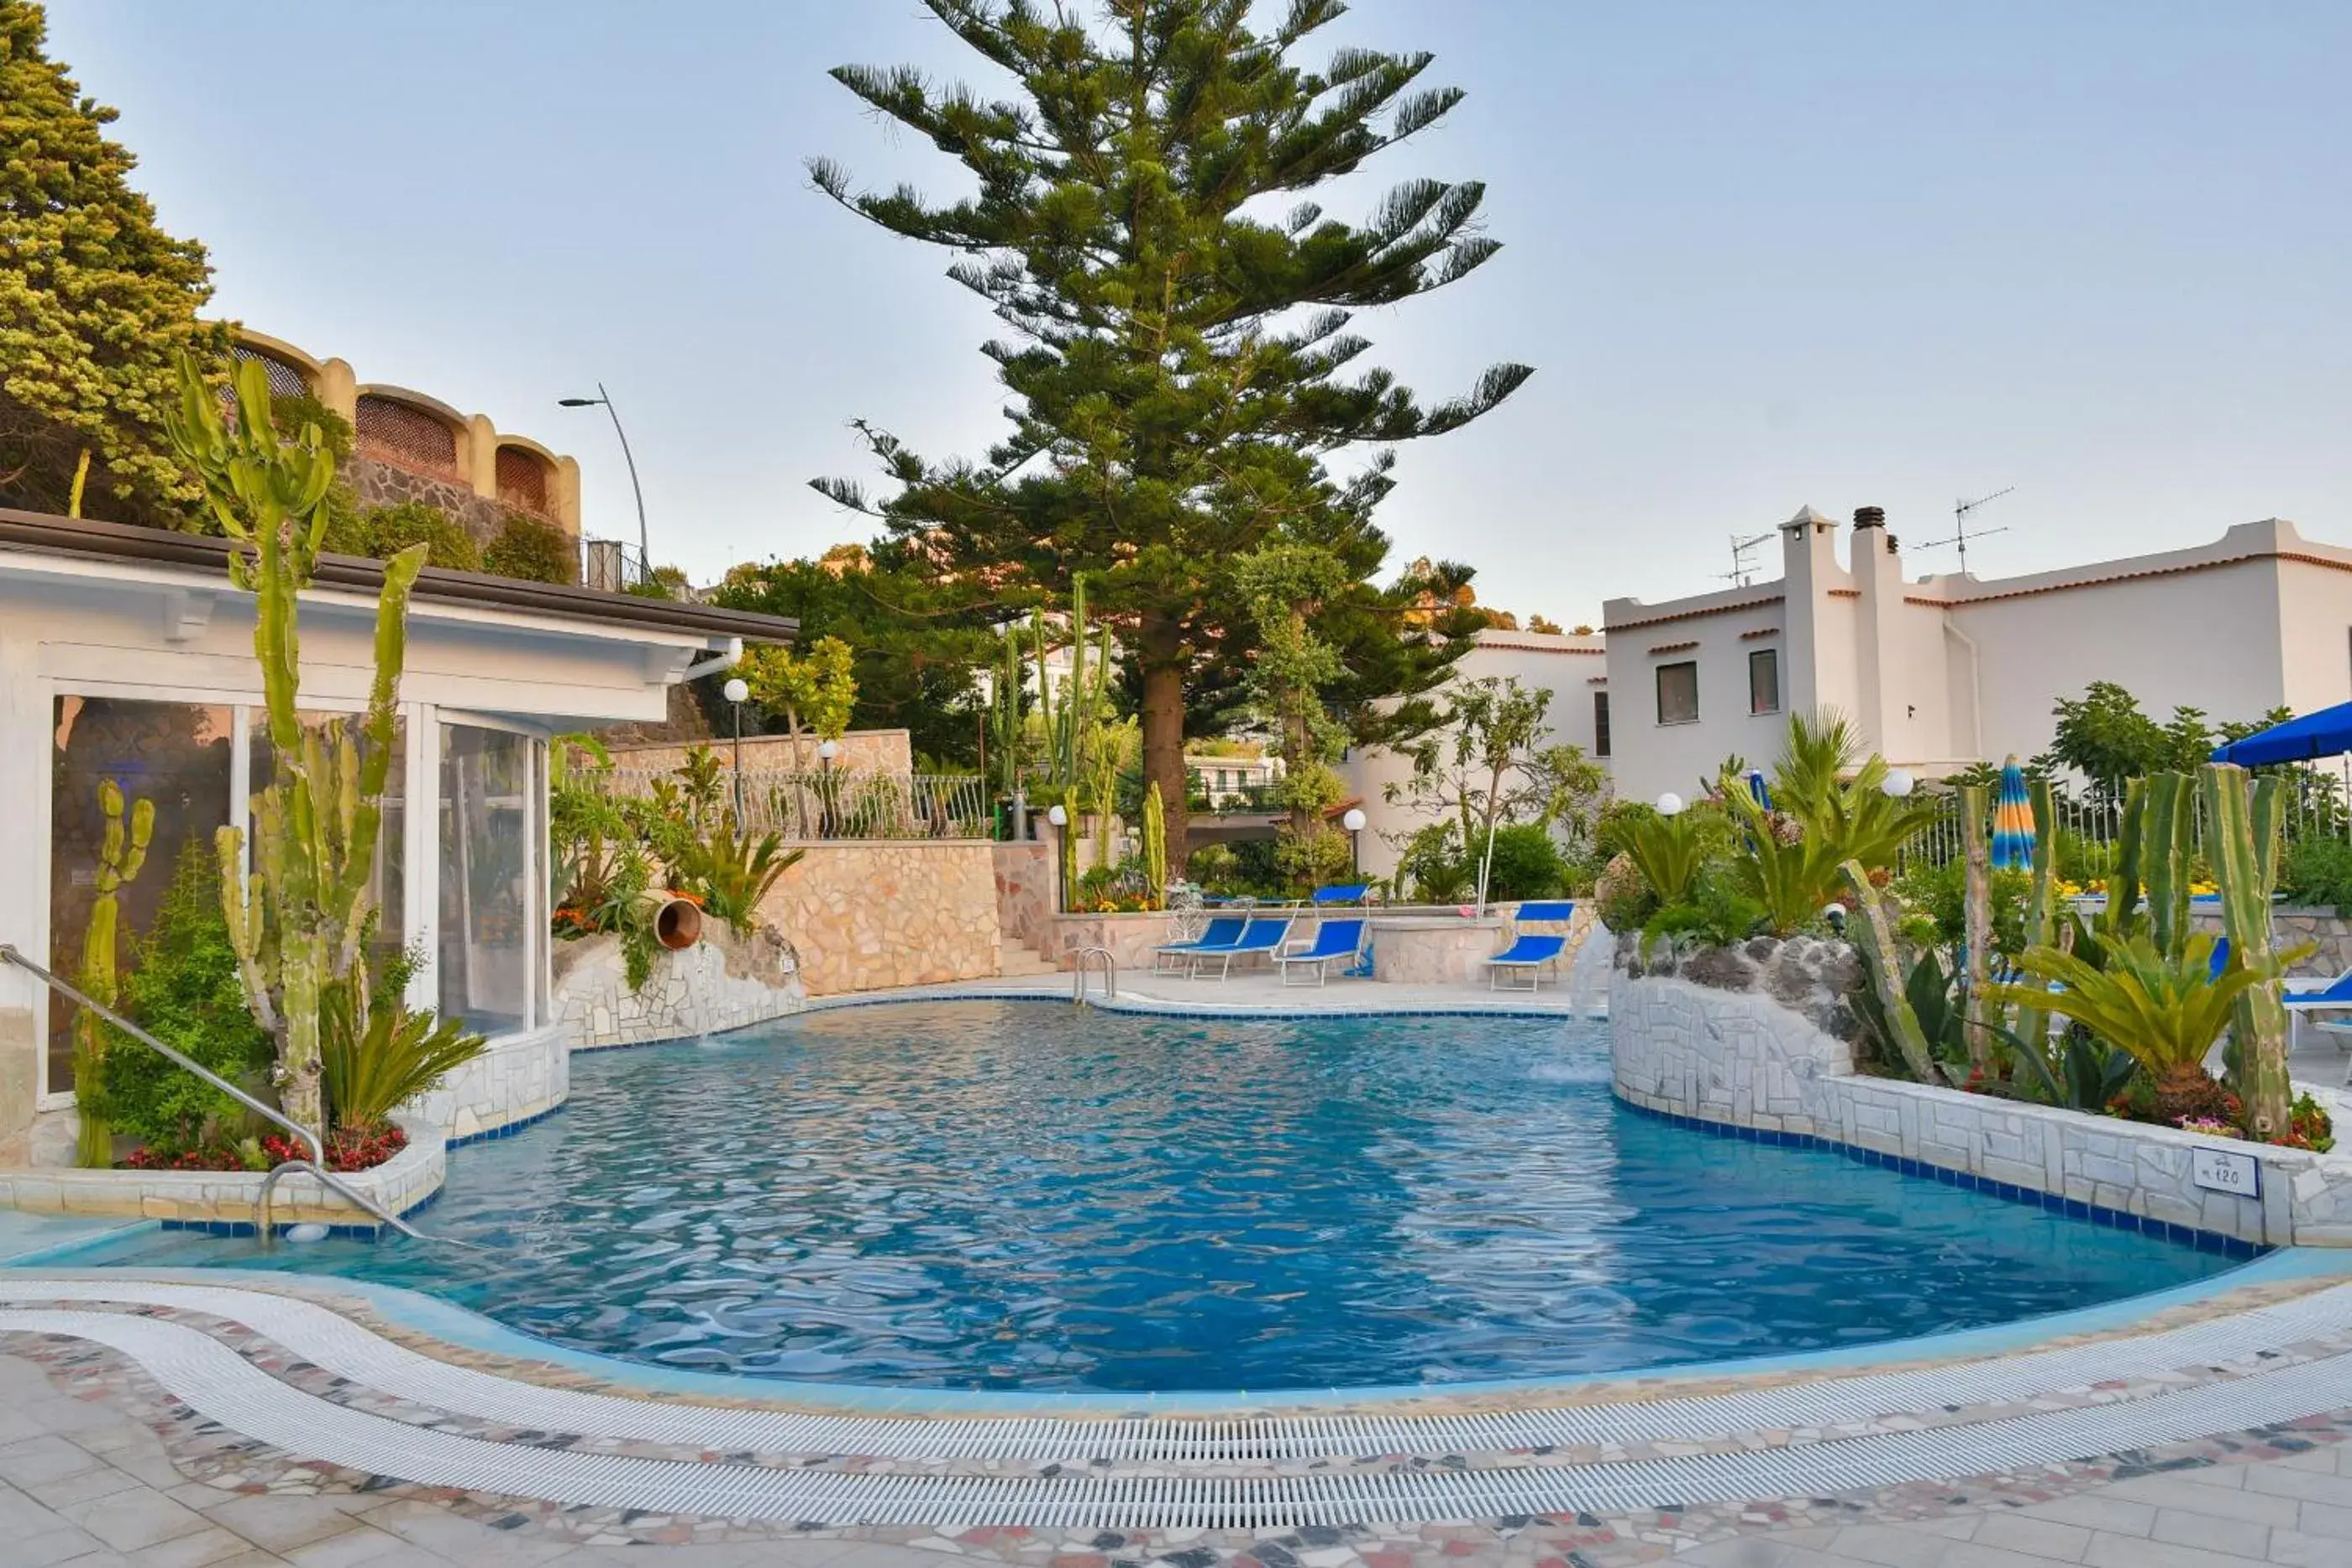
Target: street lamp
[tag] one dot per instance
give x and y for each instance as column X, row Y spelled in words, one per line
column 827, row 751
column 737, row 691
column 1060, row 819
column 1354, row 823
column 644, row 547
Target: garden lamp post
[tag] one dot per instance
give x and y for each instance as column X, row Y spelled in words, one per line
column 1354, row 823
column 827, row 751
column 602, row 400
column 736, row 692
column 1060, row 819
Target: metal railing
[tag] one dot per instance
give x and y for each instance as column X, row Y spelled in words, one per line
column 316, row 1166
column 841, row 804
column 2092, row 817
column 1078, row 966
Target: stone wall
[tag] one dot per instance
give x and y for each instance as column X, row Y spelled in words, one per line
column 722, row 982
column 381, row 484
column 519, row 1077
column 1025, row 890
column 1739, row 1057
column 1130, row 937
column 862, row 751
column 2329, row 932
column 398, row 1185
column 868, row 914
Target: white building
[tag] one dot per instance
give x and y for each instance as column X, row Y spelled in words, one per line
column 1570, row 667
column 126, row 654
column 1949, row 670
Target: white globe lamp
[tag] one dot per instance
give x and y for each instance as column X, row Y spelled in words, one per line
column 1057, row 815
column 1898, row 782
column 1353, row 821
column 1670, row 804
column 737, row 690
column 827, row 750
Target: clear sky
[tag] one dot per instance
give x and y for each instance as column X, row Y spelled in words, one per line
column 1834, row 252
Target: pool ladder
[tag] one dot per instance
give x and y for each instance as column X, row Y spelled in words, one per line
column 1078, row 974
column 315, row 1166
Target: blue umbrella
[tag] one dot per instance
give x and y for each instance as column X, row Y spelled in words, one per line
column 2013, row 820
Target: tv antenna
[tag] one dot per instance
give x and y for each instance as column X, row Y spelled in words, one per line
column 1962, row 512
column 1742, row 568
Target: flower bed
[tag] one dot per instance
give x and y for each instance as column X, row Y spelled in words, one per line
column 348, row 1149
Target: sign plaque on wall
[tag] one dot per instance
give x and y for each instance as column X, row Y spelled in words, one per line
column 2223, row 1170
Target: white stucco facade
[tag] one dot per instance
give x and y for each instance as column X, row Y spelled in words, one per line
column 1949, row 669
column 126, row 654
column 1571, row 668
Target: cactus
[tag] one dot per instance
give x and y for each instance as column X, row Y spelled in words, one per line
column 2166, row 843
column 1155, row 844
column 1004, row 712
column 2120, row 919
column 121, row 853
column 300, row 924
column 1070, row 721
column 1874, row 937
column 2243, row 840
column 1977, row 924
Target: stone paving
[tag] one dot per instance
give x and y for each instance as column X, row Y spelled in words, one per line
column 99, row 1466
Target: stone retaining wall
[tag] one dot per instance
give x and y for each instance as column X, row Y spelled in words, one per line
column 2329, row 933
column 399, row 1185
column 1025, row 890
column 868, row 915
column 1741, row 1058
column 722, row 982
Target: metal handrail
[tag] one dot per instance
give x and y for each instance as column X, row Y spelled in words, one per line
column 1078, row 974
column 316, row 1164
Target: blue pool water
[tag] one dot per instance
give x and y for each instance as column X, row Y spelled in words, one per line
column 1027, row 1195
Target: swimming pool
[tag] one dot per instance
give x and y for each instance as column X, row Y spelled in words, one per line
column 1000, row 1195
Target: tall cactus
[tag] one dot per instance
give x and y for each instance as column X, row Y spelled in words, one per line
column 1004, row 735
column 121, row 853
column 1977, row 921
column 2167, row 841
column 1155, row 844
column 2121, row 918
column 299, row 925
column 2242, row 838
column 1069, row 719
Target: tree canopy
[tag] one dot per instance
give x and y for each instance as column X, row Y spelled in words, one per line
column 97, row 302
column 1180, row 359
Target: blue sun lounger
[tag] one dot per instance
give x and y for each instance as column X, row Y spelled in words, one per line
column 1335, row 941
column 1348, row 892
column 1531, row 952
column 1263, row 934
column 1222, row 931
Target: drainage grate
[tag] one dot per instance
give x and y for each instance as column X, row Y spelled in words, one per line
column 220, row 1385
column 335, row 1344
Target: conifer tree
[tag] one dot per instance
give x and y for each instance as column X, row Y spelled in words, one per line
column 1180, row 358
column 97, row 302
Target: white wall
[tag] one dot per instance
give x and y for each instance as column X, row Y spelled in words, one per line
column 1647, row 757
column 79, row 626
column 1562, row 664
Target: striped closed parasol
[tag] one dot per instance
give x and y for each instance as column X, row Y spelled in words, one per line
column 2012, row 819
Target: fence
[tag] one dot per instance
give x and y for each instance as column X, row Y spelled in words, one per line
column 2315, row 803
column 839, row 803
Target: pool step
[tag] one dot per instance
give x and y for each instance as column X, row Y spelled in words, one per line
column 1016, row 959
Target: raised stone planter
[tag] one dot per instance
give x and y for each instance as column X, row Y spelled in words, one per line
column 519, row 1077
column 1130, row 937
column 228, row 1197
column 1433, row 949
column 721, row 983
column 1740, row 1057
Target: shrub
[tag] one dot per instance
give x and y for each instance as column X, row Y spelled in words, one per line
column 392, row 529
column 2318, row 869
column 1621, row 899
column 532, row 551
column 1527, row 865
column 184, row 990
column 398, row 1055
column 1939, row 892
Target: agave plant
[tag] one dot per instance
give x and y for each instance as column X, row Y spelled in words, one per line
column 2080, row 1073
column 380, row 1060
column 732, row 871
column 2166, row 1012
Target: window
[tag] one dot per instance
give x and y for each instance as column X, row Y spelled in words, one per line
column 492, row 932
column 387, row 882
column 1764, row 681
column 1678, row 692
column 173, row 755
column 1600, row 724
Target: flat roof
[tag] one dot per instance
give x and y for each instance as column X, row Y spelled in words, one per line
column 163, row 546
